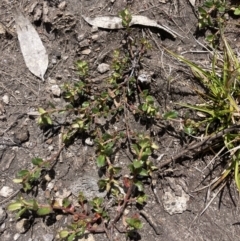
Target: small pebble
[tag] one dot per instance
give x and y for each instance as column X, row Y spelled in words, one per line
column 95, row 37
column 144, row 77
column 84, row 43
column 54, row 60
column 6, row 191
column 5, row 99
column 59, row 76
column 102, row 68
column 65, row 57
column 80, row 37
column 16, row 236
column 56, row 90
column 94, row 29
column 59, row 217
column 62, row 5
column 86, row 51
column 22, row 225
column 21, row 135
column 89, row 142
column 48, row 237
column 51, row 148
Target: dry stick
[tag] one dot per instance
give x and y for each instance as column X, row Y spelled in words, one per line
column 157, row 228
column 122, row 208
column 195, row 145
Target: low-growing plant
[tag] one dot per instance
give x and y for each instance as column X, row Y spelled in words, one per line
column 219, row 109
column 93, row 113
column 213, row 14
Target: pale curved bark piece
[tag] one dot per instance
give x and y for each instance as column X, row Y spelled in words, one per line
column 114, row 22
column 33, row 51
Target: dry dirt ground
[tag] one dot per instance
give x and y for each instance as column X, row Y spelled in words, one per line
column 68, row 38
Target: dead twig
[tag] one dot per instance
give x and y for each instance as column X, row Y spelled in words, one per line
column 156, row 227
column 196, row 145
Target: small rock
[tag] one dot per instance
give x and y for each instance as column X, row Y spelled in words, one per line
column 56, row 90
column 22, row 225
column 62, row 5
column 54, row 60
column 80, row 37
column 173, row 204
column 102, row 68
column 59, row 217
column 48, row 237
column 84, row 43
column 2, row 227
column 47, row 178
column 86, row 51
column 3, row 215
column 94, row 29
column 65, row 57
column 59, row 76
column 89, row 142
column 2, row 110
column 95, row 37
column 21, row 135
column 37, row 14
column 16, row 236
column 6, row 191
column 5, row 99
column 2, row 29
column 144, row 77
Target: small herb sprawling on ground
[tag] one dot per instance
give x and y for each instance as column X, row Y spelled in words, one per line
column 122, row 95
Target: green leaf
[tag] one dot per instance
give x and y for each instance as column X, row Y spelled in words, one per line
column 37, row 161
column 144, row 107
column 102, row 183
column 23, row 173
column 135, row 149
column 170, row 115
column 101, row 161
column 85, row 104
column 48, row 119
column 134, row 223
column 36, row 175
column 27, row 186
column 81, row 197
column 41, row 111
column 143, row 172
column 14, row 206
column 108, row 150
column 21, row 212
column 144, row 143
column 44, row 211
column 66, row 203
column 63, row 233
column 71, row 237
column 154, row 146
column 17, row 180
column 141, row 199
column 139, row 185
column 137, row 164
column 31, row 204
column 237, row 11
